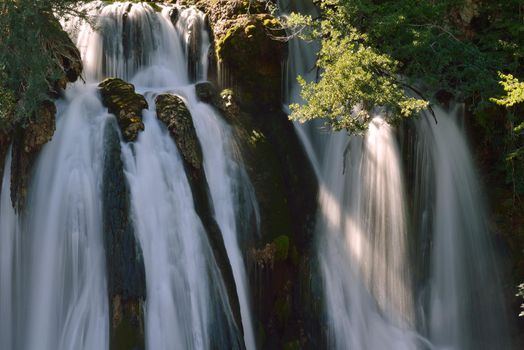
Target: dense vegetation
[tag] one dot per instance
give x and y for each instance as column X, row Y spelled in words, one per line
column 29, row 56
column 403, row 55
column 377, row 52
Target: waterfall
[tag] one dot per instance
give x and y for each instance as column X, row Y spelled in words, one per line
column 159, row 57
column 58, row 289
column 176, row 253
column 362, row 242
column 364, row 239
column 9, row 266
column 462, row 313
column 53, row 253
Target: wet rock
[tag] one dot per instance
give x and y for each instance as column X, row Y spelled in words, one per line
column 172, row 111
column 26, row 145
column 285, row 185
column 121, row 99
column 124, row 261
column 68, row 57
column 206, row 91
column 173, row 15
column 243, row 34
column 252, row 59
column 28, row 139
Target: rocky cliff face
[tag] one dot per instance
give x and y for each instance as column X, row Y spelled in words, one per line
column 247, row 50
column 28, row 139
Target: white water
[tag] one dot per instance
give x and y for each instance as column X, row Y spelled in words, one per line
column 223, row 174
column 58, row 297
column 176, row 253
column 465, row 308
column 363, row 237
column 363, row 244
column 9, row 256
column 55, row 265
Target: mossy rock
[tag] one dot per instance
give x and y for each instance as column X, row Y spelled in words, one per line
column 206, row 91
column 221, row 10
column 172, row 111
column 249, row 52
column 121, row 99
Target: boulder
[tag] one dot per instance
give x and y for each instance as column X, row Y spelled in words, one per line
column 121, row 99
column 126, row 283
column 172, row 111
column 206, row 91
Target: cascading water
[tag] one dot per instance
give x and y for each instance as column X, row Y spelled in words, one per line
column 9, row 268
column 224, row 174
column 371, row 302
column 363, row 248
column 58, row 289
column 461, row 312
column 363, row 245
column 176, row 252
column 162, row 68
column 63, row 304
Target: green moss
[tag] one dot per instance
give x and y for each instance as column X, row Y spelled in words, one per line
column 250, row 30
column 129, row 334
column 223, row 41
column 272, row 23
column 282, row 247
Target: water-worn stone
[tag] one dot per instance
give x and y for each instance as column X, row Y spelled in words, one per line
column 172, row 111
column 206, row 91
column 121, row 99
column 124, row 262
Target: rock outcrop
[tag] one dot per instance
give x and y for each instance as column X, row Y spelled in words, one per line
column 247, row 51
column 121, row 99
column 27, row 142
column 206, row 91
column 69, row 59
column 172, row 111
column 285, row 187
column 29, row 139
column 252, row 57
column 125, row 266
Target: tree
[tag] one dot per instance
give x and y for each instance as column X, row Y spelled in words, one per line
column 374, row 53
